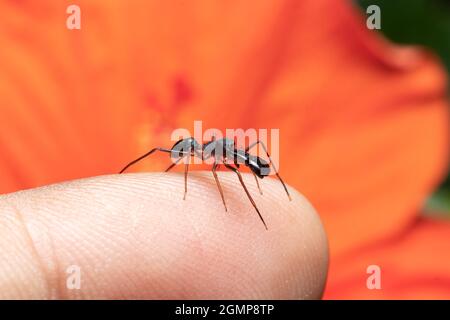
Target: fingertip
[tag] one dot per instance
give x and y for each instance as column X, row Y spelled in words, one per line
column 134, row 236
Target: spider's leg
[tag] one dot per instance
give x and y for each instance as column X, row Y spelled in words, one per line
column 149, row 153
column 214, row 168
column 144, row 156
column 271, row 163
column 257, row 183
column 196, row 154
column 186, row 168
column 246, row 191
column 173, row 164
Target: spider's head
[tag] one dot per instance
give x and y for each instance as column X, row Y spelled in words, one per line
column 259, row 166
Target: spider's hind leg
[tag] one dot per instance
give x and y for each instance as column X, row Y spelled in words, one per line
column 246, row 191
column 257, row 183
column 271, row 163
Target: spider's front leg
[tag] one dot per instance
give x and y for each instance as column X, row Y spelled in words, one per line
column 144, row 156
column 185, row 149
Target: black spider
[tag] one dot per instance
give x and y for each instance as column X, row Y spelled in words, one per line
column 223, row 151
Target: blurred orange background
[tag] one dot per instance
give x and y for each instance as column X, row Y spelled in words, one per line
column 363, row 123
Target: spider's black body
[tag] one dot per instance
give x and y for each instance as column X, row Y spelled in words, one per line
column 224, row 152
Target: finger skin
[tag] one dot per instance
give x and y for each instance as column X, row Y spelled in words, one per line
column 133, row 236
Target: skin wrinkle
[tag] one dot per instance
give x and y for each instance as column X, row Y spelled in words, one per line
column 252, row 208
column 48, row 278
column 198, row 249
column 100, row 189
column 198, row 238
column 47, row 194
column 232, row 199
column 114, row 243
column 280, row 200
column 58, row 279
column 8, row 221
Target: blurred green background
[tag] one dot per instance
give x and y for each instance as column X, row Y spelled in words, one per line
column 427, row 23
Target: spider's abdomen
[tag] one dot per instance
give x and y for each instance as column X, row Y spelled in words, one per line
column 258, row 165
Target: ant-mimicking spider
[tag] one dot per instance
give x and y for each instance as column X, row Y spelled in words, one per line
column 223, row 151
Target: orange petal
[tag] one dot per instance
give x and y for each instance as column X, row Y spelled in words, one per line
column 413, row 265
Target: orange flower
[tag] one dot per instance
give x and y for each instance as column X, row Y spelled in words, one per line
column 364, row 124
column 414, row 265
